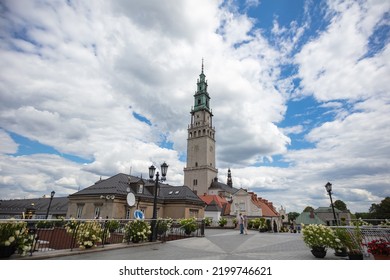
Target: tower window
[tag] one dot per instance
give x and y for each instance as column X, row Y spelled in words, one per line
column 195, row 182
column 196, row 164
column 198, row 103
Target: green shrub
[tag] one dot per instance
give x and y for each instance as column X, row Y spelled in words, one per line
column 222, row 221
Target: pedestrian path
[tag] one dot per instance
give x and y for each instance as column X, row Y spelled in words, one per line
column 218, row 244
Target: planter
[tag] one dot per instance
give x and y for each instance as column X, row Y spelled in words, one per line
column 355, row 256
column 381, row 257
column 135, row 240
column 7, row 251
column 341, row 252
column 318, row 252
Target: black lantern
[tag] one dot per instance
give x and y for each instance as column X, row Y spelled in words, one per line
column 164, row 170
column 152, row 169
column 328, row 188
column 51, row 198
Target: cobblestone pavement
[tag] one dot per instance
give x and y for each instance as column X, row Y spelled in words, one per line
column 218, row 244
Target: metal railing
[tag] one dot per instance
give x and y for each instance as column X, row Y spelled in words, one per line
column 361, row 236
column 63, row 234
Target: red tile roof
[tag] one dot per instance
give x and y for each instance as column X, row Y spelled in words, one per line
column 267, row 208
column 208, row 198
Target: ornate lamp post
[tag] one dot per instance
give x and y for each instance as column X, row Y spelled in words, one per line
column 51, row 198
column 152, row 169
column 328, row 188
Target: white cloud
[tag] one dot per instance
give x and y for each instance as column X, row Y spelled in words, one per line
column 8, row 145
column 334, row 66
column 75, row 75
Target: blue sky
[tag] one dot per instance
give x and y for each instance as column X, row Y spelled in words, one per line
column 299, row 92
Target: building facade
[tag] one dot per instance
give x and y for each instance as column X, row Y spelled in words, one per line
column 107, row 199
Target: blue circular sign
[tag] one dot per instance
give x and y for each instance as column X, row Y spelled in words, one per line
column 138, row 214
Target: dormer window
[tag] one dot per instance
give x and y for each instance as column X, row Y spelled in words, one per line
column 140, row 188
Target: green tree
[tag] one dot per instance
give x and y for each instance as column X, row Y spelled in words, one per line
column 308, row 209
column 381, row 210
column 339, row 204
column 292, row 216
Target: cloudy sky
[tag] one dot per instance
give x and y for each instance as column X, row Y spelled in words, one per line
column 300, row 93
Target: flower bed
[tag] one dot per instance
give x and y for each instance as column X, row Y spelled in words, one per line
column 136, row 231
column 14, row 234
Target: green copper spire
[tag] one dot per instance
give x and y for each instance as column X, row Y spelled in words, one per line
column 202, row 98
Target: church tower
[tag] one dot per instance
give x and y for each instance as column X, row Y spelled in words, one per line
column 200, row 170
column 229, row 179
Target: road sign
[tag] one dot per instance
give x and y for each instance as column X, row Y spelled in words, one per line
column 138, row 214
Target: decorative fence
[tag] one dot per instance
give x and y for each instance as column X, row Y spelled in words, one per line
column 60, row 234
column 362, row 236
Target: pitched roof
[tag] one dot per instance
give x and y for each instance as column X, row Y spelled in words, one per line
column 267, row 207
column 118, row 184
column 209, row 198
column 115, row 185
column 218, row 185
column 58, row 206
column 327, row 210
column 308, row 218
column 213, row 207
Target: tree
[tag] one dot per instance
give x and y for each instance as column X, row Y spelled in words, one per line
column 381, row 210
column 308, row 209
column 339, row 204
column 292, row 216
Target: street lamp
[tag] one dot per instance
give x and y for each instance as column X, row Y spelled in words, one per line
column 51, row 198
column 152, row 169
column 328, row 188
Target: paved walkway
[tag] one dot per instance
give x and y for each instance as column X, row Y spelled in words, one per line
column 218, row 244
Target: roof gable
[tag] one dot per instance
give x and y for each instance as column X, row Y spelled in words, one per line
column 209, row 198
column 308, row 218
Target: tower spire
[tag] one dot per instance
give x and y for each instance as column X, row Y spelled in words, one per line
column 229, row 179
column 202, row 65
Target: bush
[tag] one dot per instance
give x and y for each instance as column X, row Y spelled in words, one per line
column 88, row 234
column 320, row 236
column 262, row 225
column 44, row 224
column 254, row 223
column 269, row 227
column 189, row 225
column 136, row 231
column 112, row 225
column 222, row 221
column 208, row 221
column 15, row 234
column 163, row 225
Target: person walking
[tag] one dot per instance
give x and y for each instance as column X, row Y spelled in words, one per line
column 245, row 224
column 241, row 223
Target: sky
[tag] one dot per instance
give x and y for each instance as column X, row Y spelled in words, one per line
column 299, row 90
